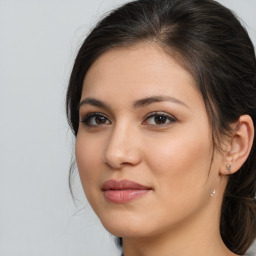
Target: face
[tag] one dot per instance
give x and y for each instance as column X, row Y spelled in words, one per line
column 144, row 144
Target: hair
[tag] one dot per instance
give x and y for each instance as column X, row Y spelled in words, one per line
column 209, row 41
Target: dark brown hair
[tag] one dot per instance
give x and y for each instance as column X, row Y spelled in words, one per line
column 209, row 41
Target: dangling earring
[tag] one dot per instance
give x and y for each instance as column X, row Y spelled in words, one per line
column 213, row 192
column 228, row 167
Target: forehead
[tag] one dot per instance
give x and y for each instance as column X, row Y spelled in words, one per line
column 138, row 70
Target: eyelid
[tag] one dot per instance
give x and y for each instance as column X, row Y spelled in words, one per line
column 95, row 113
column 160, row 113
column 90, row 115
column 154, row 113
column 86, row 119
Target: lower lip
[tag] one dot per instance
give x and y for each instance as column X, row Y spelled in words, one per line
column 123, row 196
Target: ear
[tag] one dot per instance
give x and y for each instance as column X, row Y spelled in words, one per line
column 239, row 146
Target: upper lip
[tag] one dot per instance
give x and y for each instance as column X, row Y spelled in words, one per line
column 123, row 185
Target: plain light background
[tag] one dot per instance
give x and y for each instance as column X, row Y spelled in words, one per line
column 39, row 41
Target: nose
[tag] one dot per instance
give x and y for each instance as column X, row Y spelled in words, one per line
column 122, row 148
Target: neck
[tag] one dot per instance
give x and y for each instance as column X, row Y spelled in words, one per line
column 195, row 236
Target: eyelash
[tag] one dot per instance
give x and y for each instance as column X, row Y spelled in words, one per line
column 88, row 118
column 168, row 117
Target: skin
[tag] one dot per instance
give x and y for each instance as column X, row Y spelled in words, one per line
column 175, row 159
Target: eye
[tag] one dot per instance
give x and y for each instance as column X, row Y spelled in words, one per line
column 159, row 119
column 95, row 119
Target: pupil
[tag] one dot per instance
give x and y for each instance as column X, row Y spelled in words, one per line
column 100, row 119
column 160, row 119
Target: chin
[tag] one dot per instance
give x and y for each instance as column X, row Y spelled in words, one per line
column 123, row 227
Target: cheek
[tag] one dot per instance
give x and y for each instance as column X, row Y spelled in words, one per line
column 181, row 163
column 88, row 159
column 180, row 168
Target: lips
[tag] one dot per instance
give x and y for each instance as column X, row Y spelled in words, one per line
column 123, row 191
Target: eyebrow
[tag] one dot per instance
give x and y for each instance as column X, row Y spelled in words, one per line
column 93, row 102
column 155, row 99
column 137, row 104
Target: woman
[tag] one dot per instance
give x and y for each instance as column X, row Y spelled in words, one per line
column 161, row 100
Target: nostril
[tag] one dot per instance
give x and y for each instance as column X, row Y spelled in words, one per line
column 122, row 149
column 119, row 158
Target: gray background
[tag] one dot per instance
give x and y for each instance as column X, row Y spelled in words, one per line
column 39, row 40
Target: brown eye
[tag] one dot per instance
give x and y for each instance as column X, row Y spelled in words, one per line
column 159, row 119
column 95, row 119
column 100, row 119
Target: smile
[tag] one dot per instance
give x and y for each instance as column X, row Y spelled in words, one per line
column 123, row 191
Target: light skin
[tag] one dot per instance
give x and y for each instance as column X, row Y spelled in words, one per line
column 142, row 119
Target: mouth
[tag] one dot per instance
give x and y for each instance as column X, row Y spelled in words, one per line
column 123, row 191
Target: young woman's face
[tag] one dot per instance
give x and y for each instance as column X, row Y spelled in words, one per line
column 144, row 144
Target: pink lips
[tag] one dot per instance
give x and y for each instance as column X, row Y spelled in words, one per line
column 123, row 191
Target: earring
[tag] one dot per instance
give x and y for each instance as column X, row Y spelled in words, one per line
column 213, row 192
column 228, row 167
